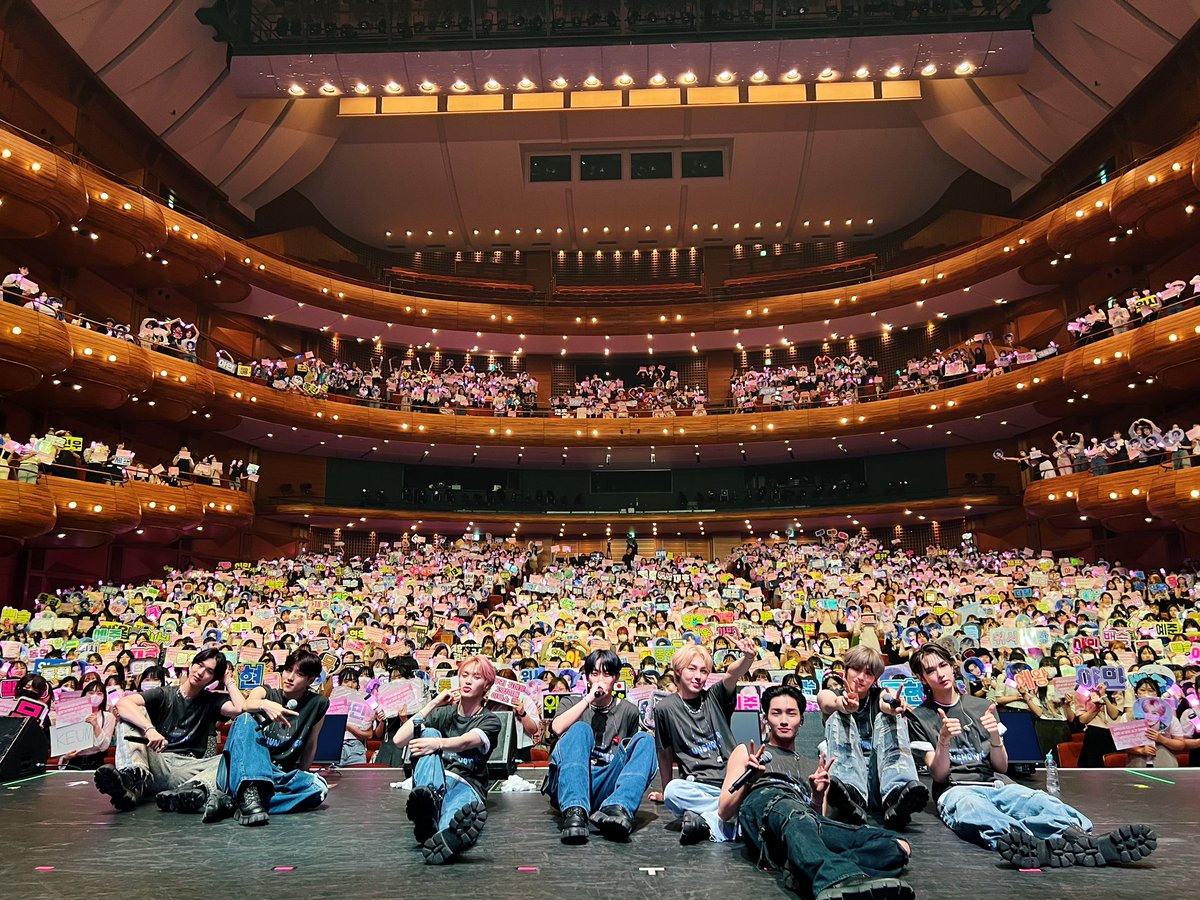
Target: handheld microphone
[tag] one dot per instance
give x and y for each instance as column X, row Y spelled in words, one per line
column 418, row 726
column 764, row 758
column 264, row 721
column 136, row 739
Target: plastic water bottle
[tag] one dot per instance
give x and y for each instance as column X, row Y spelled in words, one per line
column 1052, row 787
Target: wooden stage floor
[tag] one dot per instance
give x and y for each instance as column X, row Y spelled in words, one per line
column 359, row 844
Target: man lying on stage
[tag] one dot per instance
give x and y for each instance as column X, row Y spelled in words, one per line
column 867, row 736
column 780, row 818
column 691, row 727
column 451, row 739
column 265, row 766
column 967, row 759
column 600, row 760
column 163, row 734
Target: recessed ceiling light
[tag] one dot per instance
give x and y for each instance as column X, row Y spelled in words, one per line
column 624, row 79
column 725, row 77
column 658, row 79
column 862, row 72
column 791, row 75
column 591, row 82
column 687, row 78
column 559, row 83
column 361, row 88
column 459, row 86
column 893, row 72
column 296, row 91
column 525, row 84
column 826, row 74
column 328, row 89
column 392, row 87
column 964, row 68
column 491, row 85
column 930, row 69
column 427, row 87
column 759, row 77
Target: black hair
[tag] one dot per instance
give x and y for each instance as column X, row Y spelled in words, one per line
column 305, row 662
column 35, row 687
column 783, row 690
column 153, row 673
column 916, row 661
column 605, row 661
column 214, row 654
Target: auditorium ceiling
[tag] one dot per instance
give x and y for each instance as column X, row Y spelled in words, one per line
column 875, row 165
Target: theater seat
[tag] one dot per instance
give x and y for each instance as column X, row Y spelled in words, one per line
column 1118, row 760
column 1068, row 754
column 1077, row 737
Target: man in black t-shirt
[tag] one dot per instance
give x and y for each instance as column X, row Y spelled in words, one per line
column 961, row 737
column 600, row 759
column 691, row 728
column 867, row 739
column 164, row 733
column 451, row 739
column 265, row 769
column 785, row 822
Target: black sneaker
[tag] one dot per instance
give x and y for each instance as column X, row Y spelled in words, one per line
column 424, row 808
column 188, row 798
column 694, row 829
column 462, row 832
column 1074, row 847
column 252, row 800
column 864, row 887
column 574, row 826
column 1127, row 844
column 900, row 804
column 218, row 807
column 123, row 786
column 613, row 822
column 845, row 803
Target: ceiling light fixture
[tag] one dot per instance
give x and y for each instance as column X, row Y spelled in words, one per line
column 392, row 87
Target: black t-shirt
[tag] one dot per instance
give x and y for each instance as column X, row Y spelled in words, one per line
column 619, row 722
column 186, row 724
column 469, row 765
column 697, row 732
column 783, row 769
column 287, row 744
column 864, row 716
column 970, row 752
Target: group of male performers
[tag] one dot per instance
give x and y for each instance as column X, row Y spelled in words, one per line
column 811, row 825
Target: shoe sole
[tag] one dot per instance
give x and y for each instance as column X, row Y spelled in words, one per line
column 912, row 799
column 877, row 889
column 461, row 834
column 181, row 801
column 217, row 812
column 422, row 811
column 611, row 829
column 574, row 836
column 110, row 783
column 1025, row 851
column 251, row 821
column 841, row 802
column 694, row 830
column 1127, row 844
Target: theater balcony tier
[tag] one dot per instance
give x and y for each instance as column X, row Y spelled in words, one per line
column 595, row 524
column 67, row 512
column 1131, row 500
column 46, row 194
column 1164, row 352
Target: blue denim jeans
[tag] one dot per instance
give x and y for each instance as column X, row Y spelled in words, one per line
column 429, row 772
column 246, row 758
column 983, row 814
column 788, row 834
column 890, row 765
column 574, row 780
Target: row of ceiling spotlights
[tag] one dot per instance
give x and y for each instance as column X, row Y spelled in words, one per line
column 625, row 80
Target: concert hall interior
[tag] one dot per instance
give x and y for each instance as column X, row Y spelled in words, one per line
column 818, row 516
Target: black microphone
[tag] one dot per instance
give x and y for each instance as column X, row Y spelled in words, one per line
column 264, row 720
column 764, row 758
column 136, row 739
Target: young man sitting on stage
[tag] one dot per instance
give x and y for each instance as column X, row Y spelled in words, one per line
column 451, row 739
column 265, row 768
column 967, row 759
column 600, row 760
column 691, row 727
column 163, row 734
column 785, row 823
column 867, row 736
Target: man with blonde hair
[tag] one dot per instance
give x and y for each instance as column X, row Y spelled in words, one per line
column 866, row 734
column 451, row 739
column 691, row 728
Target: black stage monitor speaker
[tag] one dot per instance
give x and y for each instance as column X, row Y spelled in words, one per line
column 502, row 762
column 23, row 748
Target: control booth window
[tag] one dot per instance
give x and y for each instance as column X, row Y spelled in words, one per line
column 600, row 167
column 650, row 165
column 703, row 164
column 550, row 168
